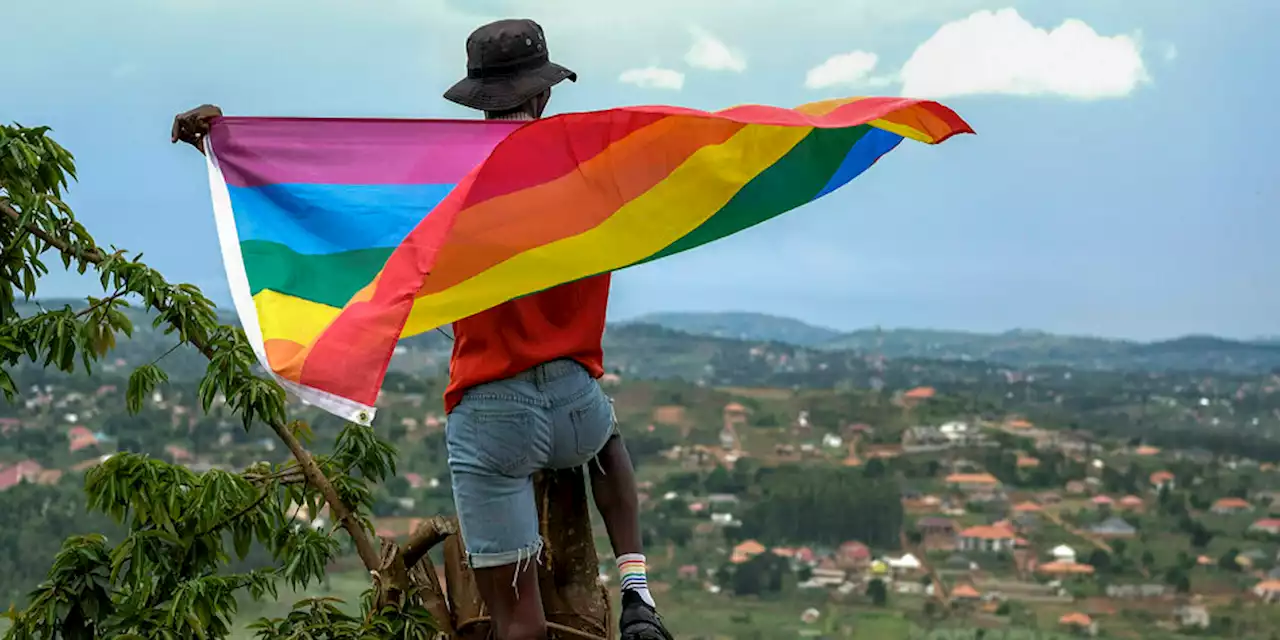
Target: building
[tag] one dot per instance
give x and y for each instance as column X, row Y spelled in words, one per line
column 1064, row 553
column 1079, row 623
column 973, row 482
column 1162, row 480
column 853, row 555
column 936, row 527
column 1231, row 506
column 986, row 538
column 1114, row 528
column 1269, row 526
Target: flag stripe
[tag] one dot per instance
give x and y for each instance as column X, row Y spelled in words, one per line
column 266, row 151
column 329, row 279
column 486, row 234
column 791, row 182
column 865, row 153
column 332, row 218
column 687, row 198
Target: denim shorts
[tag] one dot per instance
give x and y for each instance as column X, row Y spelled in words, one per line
column 553, row 416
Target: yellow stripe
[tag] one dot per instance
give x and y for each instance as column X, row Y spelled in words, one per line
column 902, row 130
column 695, row 191
column 289, row 318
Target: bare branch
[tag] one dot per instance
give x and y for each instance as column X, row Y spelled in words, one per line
column 427, row 535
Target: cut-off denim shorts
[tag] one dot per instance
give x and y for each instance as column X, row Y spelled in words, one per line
column 553, row 416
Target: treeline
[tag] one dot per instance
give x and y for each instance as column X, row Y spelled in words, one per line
column 823, row 506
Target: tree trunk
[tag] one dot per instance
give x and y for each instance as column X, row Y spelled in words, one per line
column 569, row 574
column 572, row 597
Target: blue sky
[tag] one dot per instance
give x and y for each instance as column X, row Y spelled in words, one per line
column 1122, row 182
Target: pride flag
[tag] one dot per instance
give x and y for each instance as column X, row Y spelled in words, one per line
column 341, row 236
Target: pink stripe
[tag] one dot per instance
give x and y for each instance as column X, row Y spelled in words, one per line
column 257, row 151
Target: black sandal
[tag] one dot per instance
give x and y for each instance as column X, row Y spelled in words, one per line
column 640, row 622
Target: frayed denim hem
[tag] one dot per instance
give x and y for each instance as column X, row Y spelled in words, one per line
column 523, row 558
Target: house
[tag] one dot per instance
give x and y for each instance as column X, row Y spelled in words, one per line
column 1027, row 507
column 1192, row 616
column 1131, row 503
column 1064, row 553
column 745, row 551
column 1146, row 451
column 1027, row 462
column 923, row 438
column 1114, row 528
column 1162, row 480
column 25, row 471
column 1066, row 568
column 1079, row 623
column 965, row 592
column 1231, row 506
column 986, row 538
column 853, row 555
column 906, row 564
column 1269, row 526
column 936, row 527
column 961, row 434
column 969, row 482
column 1103, row 502
column 1268, row 590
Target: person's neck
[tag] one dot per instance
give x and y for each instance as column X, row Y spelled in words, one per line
column 520, row 115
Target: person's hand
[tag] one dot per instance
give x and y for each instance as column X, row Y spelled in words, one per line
column 192, row 126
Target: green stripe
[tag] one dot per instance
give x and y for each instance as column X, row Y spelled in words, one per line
column 327, row 278
column 793, row 180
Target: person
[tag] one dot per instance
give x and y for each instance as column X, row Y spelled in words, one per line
column 524, row 392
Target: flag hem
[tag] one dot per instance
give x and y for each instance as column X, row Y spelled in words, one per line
column 247, row 311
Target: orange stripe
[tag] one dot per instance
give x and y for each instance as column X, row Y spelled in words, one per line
column 282, row 355
column 487, row 234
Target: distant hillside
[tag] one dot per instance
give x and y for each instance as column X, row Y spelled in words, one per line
column 709, row 346
column 1018, row 348
column 739, row 325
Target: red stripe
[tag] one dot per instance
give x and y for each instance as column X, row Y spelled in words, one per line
column 527, row 162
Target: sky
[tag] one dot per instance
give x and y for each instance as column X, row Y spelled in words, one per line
column 1121, row 182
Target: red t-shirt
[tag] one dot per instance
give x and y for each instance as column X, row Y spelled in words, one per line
column 564, row 322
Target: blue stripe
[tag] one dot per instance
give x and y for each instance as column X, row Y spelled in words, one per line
column 329, row 218
column 864, row 153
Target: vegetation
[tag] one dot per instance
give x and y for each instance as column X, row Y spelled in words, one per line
column 168, row 576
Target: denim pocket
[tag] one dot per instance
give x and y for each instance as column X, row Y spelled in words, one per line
column 592, row 423
column 503, row 440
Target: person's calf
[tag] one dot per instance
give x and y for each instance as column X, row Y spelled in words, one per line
column 613, row 486
column 511, row 594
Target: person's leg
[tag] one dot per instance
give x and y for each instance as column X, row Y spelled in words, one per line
column 495, row 443
column 613, row 483
column 585, row 429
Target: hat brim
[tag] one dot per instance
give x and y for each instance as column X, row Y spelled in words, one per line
column 507, row 92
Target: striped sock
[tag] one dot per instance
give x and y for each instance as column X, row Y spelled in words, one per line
column 632, row 569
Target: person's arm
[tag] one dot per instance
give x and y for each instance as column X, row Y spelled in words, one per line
column 192, row 126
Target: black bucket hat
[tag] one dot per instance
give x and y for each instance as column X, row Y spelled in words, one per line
column 507, row 65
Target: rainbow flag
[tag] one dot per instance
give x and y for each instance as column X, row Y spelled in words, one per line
column 341, row 236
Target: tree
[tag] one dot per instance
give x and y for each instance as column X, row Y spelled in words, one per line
column 878, row 593
column 169, row 575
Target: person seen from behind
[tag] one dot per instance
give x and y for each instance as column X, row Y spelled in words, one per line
column 523, row 392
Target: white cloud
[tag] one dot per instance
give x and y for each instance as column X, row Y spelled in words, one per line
column 1001, row 53
column 653, row 78
column 846, row 69
column 1170, row 52
column 709, row 53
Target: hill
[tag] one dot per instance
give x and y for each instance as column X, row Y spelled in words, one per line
column 740, row 325
column 1020, row 348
